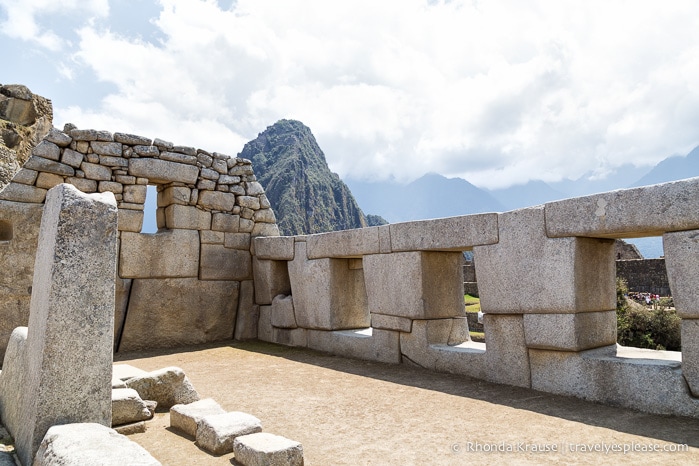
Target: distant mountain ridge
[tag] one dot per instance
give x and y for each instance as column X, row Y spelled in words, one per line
column 305, row 195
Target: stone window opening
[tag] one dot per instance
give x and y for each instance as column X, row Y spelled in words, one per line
column 150, row 222
column 5, row 230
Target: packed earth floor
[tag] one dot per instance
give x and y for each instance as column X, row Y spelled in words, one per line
column 351, row 412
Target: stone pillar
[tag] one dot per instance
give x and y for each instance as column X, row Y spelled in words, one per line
column 682, row 261
column 71, row 322
column 558, row 293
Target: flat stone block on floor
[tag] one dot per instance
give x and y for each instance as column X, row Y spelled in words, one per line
column 90, row 444
column 128, row 407
column 186, row 417
column 216, row 433
column 168, row 386
column 264, row 449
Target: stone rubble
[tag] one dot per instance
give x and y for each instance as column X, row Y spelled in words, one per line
column 168, row 387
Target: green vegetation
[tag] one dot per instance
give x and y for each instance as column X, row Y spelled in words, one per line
column 645, row 328
column 472, row 303
column 305, row 195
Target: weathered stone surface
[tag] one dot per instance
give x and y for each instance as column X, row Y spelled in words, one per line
column 271, row 279
column 265, row 331
column 283, row 312
column 187, row 218
column 369, row 344
column 151, row 255
column 627, row 213
column 111, row 186
column 527, row 272
column 628, row 377
column 690, row 354
column 417, row 346
column 71, row 310
column 177, row 157
column 91, row 135
column 22, row 193
column 275, row 248
column 570, row 332
column 132, row 139
column 428, row 235
column 185, row 417
column 506, row 355
column 128, row 407
column 211, row 237
column 89, row 443
column 58, row 137
column 247, row 322
column 13, row 380
column 48, row 180
column 107, row 148
column 263, row 449
column 186, row 311
column 264, row 216
column 217, row 200
column 174, row 195
column 47, row 150
column 72, row 158
column 95, row 171
column 130, row 220
column 225, row 222
column 682, row 262
column 126, row 371
column 169, row 386
column 263, row 229
column 121, row 301
column 162, row 171
column 346, row 243
column 83, row 184
column 135, row 194
column 220, row 263
column 146, row 151
column 386, row 322
column 130, row 429
column 41, row 164
column 327, row 293
column 290, row 336
column 216, row 432
column 237, row 241
column 25, row 176
column 417, row 285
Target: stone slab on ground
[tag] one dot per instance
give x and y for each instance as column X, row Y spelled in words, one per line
column 89, row 444
column 186, row 417
column 128, row 407
column 130, row 429
column 168, row 386
column 126, row 371
column 216, row 433
column 264, row 449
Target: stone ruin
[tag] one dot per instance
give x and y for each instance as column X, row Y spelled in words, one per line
column 392, row 293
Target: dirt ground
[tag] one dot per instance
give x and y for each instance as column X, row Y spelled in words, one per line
column 350, row 412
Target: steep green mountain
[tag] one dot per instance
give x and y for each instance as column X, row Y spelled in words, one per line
column 305, row 195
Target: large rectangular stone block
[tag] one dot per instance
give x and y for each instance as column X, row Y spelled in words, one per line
column 221, row 263
column 528, row 272
column 217, row 200
column 170, row 312
column 166, row 254
column 416, row 285
column 274, row 247
column 327, row 293
column 682, row 262
column 627, row 213
column 187, row 218
column 570, row 332
column 22, row 193
column 345, row 243
column 271, row 279
column 130, row 220
column 19, row 235
column 445, row 234
column 71, row 317
column 163, row 171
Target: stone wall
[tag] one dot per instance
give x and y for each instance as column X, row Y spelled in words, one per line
column 546, row 280
column 189, row 282
column 645, row 275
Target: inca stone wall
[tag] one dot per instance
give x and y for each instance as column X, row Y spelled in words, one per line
column 189, row 282
column 644, row 275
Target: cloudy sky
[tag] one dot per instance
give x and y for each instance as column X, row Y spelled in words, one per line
column 497, row 92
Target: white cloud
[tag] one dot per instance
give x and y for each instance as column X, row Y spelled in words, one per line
column 497, row 92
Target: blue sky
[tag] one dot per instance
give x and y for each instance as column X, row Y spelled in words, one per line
column 496, row 92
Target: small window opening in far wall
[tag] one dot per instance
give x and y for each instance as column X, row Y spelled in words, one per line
column 150, row 224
